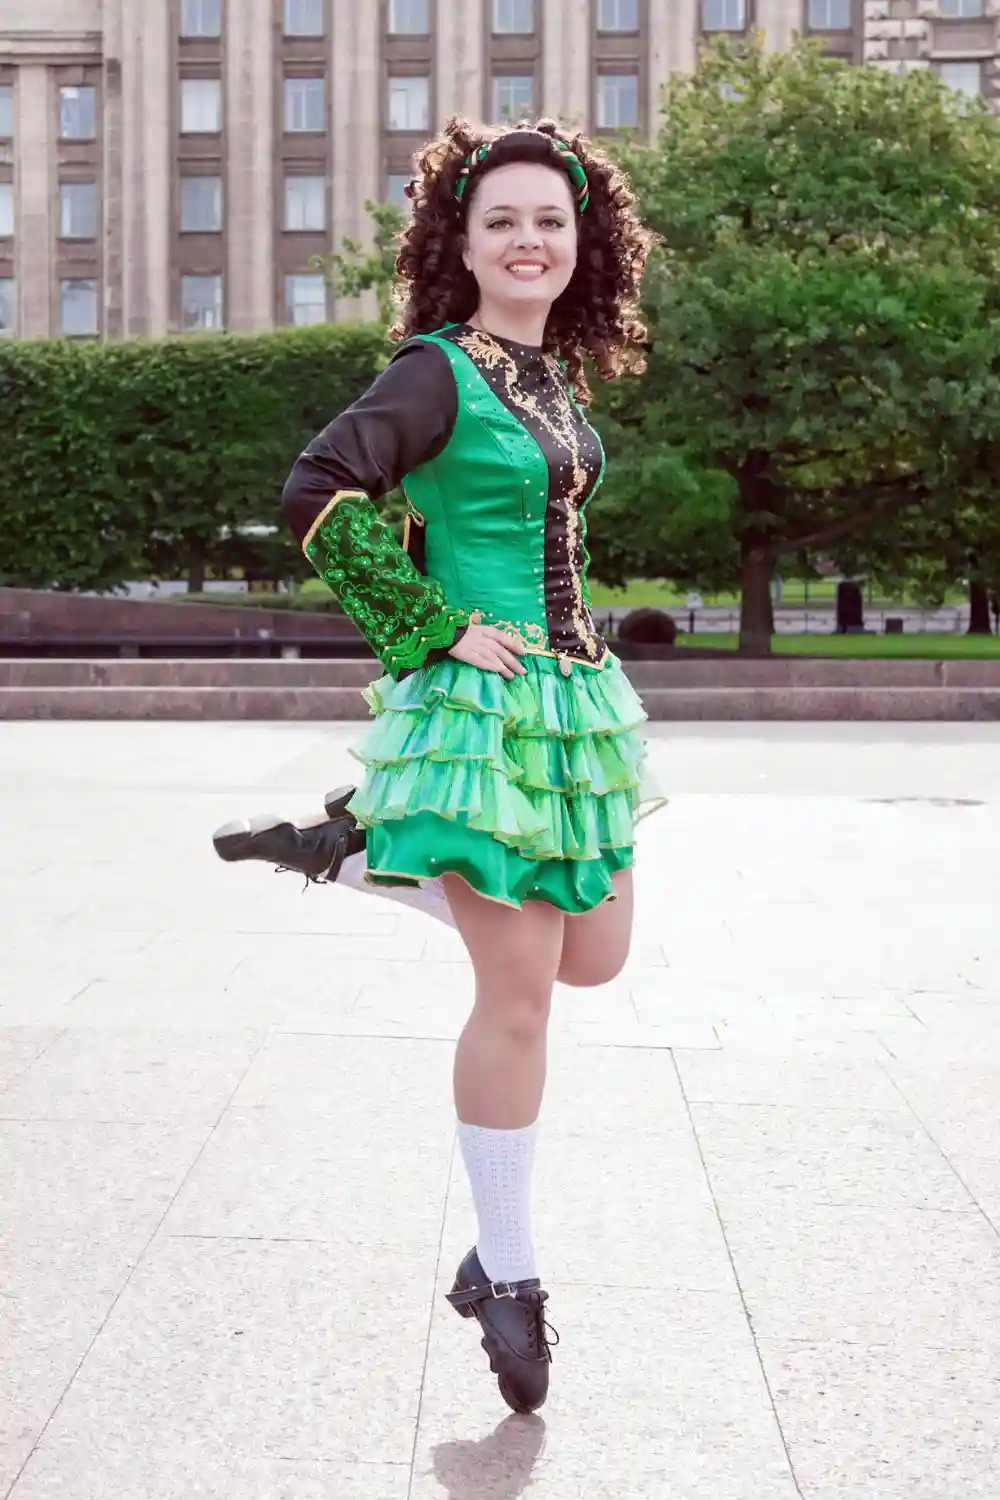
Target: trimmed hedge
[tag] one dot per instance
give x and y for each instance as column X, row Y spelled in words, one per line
column 144, row 458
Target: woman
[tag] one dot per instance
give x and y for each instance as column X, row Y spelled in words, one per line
column 503, row 767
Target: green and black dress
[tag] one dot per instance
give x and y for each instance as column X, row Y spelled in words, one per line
column 529, row 789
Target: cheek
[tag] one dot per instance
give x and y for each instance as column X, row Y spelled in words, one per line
column 483, row 254
column 565, row 255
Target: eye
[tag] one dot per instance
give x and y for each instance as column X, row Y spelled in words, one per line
column 500, row 223
column 550, row 223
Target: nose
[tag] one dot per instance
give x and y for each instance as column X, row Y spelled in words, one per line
column 527, row 237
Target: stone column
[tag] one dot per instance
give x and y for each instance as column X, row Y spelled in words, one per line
column 35, row 205
column 673, row 28
column 460, row 52
column 357, row 86
column 249, row 188
column 566, row 62
column 112, row 174
column 779, row 20
column 147, row 157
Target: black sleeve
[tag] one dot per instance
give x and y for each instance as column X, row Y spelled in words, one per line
column 404, row 419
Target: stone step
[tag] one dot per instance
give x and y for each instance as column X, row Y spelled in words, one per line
column 728, row 672
column 332, row 703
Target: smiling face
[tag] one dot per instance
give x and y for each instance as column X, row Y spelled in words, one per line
column 521, row 241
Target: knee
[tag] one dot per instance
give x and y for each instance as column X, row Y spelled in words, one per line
column 524, row 1017
column 583, row 972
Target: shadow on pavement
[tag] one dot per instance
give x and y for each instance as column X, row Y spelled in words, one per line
column 498, row 1467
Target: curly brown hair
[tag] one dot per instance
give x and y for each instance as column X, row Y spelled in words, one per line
column 597, row 314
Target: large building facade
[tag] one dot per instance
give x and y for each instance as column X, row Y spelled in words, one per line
column 174, row 165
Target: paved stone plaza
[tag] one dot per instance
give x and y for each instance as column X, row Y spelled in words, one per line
column 769, row 1180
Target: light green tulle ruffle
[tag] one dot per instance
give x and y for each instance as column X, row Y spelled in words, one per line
column 529, row 788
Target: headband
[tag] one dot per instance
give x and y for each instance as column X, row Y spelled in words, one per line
column 567, row 160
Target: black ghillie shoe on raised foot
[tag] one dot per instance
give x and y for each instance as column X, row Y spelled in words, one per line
column 515, row 1334
column 316, row 850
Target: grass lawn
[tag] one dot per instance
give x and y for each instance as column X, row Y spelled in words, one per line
column 653, row 591
column 937, row 647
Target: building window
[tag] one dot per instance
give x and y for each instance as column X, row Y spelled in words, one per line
column 78, row 210
column 6, row 111
column 512, row 95
column 618, row 15
column 201, row 205
column 201, row 106
column 830, row 15
column 201, row 303
column 396, row 190
column 724, row 15
column 964, row 77
column 409, row 18
column 6, row 209
column 409, row 103
column 962, row 10
column 304, row 18
column 617, row 101
column 515, row 17
column 78, row 308
column 305, row 203
column 305, row 104
column 305, row 300
column 8, row 307
column 201, row 18
column 77, row 114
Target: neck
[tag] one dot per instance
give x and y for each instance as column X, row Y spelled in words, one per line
column 522, row 325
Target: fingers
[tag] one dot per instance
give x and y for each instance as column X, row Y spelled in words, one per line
column 497, row 660
column 507, row 639
column 492, row 650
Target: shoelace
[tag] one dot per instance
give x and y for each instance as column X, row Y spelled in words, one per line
column 287, row 870
column 543, row 1336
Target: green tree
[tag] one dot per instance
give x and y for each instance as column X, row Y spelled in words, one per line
column 823, row 302
column 355, row 269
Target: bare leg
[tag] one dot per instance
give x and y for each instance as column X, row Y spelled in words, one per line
column 501, row 1055
column 596, row 944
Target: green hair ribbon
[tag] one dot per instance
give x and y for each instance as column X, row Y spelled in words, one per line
column 568, row 160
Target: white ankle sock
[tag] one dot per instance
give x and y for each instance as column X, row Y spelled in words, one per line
column 428, row 898
column 499, row 1164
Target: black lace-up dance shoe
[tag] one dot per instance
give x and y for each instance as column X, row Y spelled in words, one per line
column 316, row 850
column 516, row 1336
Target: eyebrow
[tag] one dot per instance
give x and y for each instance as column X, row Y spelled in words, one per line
column 546, row 208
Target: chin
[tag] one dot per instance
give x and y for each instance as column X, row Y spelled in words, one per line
column 528, row 291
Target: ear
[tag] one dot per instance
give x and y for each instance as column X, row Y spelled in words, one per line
column 466, row 257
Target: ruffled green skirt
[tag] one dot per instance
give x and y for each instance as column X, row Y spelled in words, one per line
column 529, row 789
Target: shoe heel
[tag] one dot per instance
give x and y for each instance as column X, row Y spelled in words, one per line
column 463, row 1312
column 335, row 802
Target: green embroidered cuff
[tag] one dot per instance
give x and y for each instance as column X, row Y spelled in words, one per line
column 401, row 614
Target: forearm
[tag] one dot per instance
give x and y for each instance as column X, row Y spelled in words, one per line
column 402, row 615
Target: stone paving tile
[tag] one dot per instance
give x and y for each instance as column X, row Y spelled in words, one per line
column 825, row 1156
column 258, row 1348
column 818, row 1272
column 56, row 1293
column 130, row 1075
column 19, row 1047
column 897, row 1421
column 770, row 1130
column 76, row 1472
column 797, row 1077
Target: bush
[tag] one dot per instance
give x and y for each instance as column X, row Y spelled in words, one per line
column 648, row 627
column 149, row 459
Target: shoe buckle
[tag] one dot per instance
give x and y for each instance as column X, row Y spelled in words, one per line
column 508, row 1290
